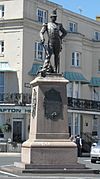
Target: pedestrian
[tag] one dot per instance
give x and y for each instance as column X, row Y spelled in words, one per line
column 79, row 145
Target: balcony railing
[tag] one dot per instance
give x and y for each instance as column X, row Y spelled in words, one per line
column 15, row 98
column 83, row 104
column 73, row 103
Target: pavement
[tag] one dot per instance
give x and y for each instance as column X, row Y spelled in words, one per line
column 10, row 154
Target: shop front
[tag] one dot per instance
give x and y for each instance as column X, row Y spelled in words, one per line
column 14, row 122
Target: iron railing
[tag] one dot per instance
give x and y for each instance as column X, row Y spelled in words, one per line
column 83, row 104
column 16, row 98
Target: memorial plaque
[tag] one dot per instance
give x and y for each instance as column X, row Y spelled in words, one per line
column 53, row 105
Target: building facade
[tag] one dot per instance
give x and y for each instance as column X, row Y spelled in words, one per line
column 21, row 55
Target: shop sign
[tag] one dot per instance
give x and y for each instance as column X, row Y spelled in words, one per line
column 15, row 110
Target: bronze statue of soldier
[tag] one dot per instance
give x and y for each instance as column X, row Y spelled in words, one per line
column 56, row 33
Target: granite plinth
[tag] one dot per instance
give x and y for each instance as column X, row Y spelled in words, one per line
column 61, row 152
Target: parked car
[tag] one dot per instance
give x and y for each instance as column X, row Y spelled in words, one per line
column 95, row 152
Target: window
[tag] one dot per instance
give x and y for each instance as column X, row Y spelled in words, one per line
column 76, row 59
column 99, row 65
column 1, row 11
column 95, row 94
column 42, row 16
column 70, row 89
column 1, row 47
column 95, row 123
column 39, row 52
column 76, row 90
column 72, row 27
column 97, row 36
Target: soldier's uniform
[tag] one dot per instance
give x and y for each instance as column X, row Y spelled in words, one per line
column 56, row 33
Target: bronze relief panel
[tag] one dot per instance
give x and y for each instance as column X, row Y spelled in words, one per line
column 53, row 107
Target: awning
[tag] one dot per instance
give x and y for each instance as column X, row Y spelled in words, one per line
column 95, row 81
column 35, row 68
column 75, row 76
column 5, row 67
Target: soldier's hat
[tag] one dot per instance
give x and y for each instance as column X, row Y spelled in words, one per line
column 54, row 13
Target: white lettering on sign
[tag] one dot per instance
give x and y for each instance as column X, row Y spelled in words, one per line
column 14, row 110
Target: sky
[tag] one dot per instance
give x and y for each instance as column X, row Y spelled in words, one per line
column 88, row 8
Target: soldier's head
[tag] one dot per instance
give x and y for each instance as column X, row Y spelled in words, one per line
column 53, row 15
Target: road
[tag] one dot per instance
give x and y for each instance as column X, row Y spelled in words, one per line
column 9, row 159
column 87, row 162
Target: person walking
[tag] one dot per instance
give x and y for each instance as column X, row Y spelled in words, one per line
column 79, row 145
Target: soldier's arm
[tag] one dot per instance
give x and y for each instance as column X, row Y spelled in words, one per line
column 63, row 31
column 42, row 31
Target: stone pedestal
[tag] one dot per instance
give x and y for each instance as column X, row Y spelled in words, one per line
column 48, row 146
